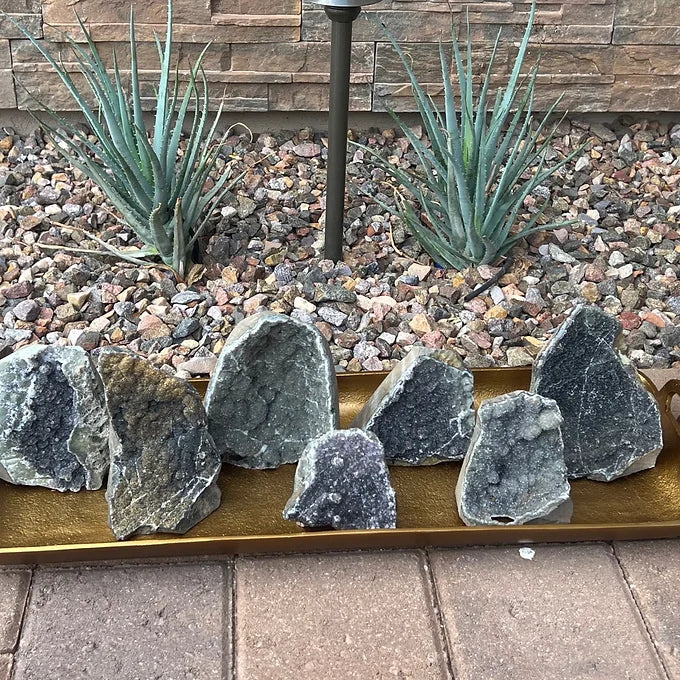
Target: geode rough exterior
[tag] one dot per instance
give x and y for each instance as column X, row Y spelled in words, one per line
column 273, row 390
column 53, row 422
column 514, row 471
column 342, row 481
column 423, row 411
column 612, row 424
column 164, row 465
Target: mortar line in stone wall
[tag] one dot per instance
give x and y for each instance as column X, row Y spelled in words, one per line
column 22, row 623
column 435, row 605
column 643, row 618
column 375, row 75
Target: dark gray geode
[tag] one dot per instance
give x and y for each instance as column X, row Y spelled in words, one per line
column 514, row 471
column 612, row 424
column 423, row 412
column 164, row 465
column 273, row 390
column 53, row 423
column 342, row 481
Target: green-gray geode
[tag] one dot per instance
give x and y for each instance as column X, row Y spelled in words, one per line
column 164, row 465
column 273, row 390
column 612, row 424
column 514, row 470
column 423, row 412
column 53, row 423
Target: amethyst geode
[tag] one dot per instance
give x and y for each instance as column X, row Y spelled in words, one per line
column 423, row 412
column 342, row 482
column 273, row 390
column 164, row 465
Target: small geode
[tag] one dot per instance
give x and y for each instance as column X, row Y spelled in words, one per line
column 514, row 471
column 53, row 423
column 423, row 412
column 273, row 390
column 342, row 482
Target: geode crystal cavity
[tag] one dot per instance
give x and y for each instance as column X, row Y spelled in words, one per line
column 612, row 424
column 423, row 411
column 342, row 481
column 273, row 390
column 164, row 465
column 514, row 471
column 53, row 423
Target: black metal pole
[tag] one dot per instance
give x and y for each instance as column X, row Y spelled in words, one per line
column 341, row 53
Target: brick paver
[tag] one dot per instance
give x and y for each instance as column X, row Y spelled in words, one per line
column 5, row 666
column 652, row 569
column 565, row 614
column 128, row 623
column 336, row 617
column 13, row 590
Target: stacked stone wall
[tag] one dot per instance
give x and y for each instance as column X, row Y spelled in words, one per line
column 605, row 55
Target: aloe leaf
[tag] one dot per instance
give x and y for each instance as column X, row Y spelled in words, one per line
column 211, row 200
column 162, row 97
column 193, row 147
column 161, row 240
column 178, row 244
column 173, row 145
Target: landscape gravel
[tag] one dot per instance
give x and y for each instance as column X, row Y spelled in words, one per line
column 265, row 251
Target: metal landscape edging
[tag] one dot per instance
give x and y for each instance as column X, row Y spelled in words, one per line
column 40, row 525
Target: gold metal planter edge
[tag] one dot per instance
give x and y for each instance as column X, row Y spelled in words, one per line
column 39, row 525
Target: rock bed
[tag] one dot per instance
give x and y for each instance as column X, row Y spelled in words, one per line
column 623, row 254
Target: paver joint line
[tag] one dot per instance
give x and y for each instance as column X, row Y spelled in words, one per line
column 17, row 642
column 229, row 656
column 24, row 609
column 643, row 618
column 428, row 573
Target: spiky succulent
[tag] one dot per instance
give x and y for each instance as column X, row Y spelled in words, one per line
column 467, row 192
column 159, row 192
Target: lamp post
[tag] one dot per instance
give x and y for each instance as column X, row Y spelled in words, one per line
column 342, row 14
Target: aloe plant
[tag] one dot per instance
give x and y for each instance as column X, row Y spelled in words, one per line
column 158, row 192
column 467, row 191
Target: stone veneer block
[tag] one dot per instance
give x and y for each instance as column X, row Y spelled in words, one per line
column 273, row 390
column 342, row 481
column 423, row 411
column 53, row 423
column 514, row 470
column 612, row 424
column 164, row 465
